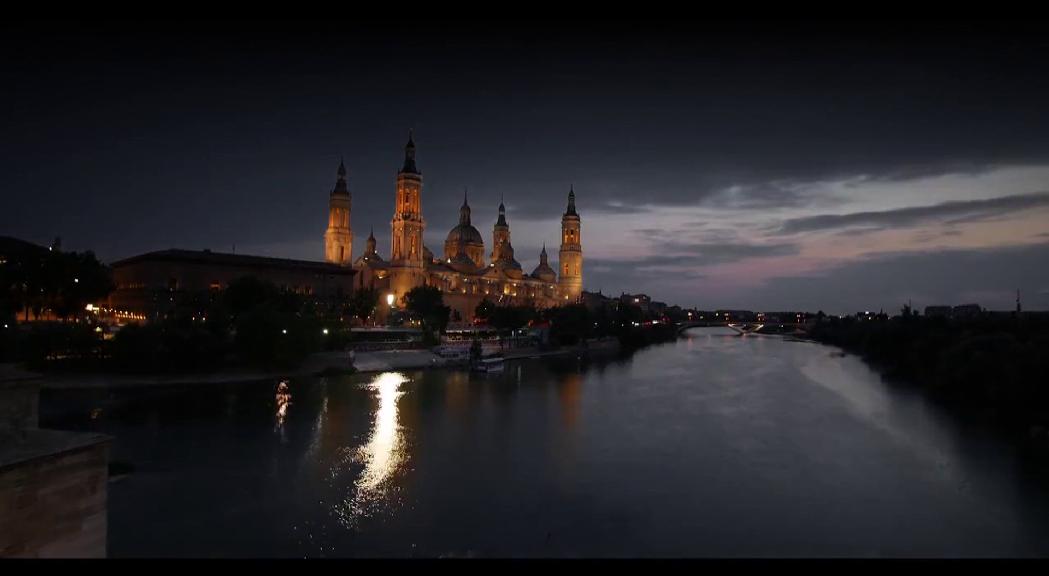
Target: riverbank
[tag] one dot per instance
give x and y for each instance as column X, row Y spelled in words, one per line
column 316, row 364
column 321, row 363
column 983, row 368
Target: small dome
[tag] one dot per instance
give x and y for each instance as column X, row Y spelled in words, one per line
column 470, row 235
column 544, row 272
column 462, row 263
column 510, row 264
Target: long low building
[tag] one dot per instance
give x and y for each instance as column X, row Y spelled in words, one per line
column 150, row 284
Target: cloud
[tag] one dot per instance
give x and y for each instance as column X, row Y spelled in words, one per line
column 774, row 194
column 887, row 280
column 953, row 212
column 681, row 255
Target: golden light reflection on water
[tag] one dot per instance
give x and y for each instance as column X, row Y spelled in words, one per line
column 570, row 393
column 283, row 400
column 382, row 455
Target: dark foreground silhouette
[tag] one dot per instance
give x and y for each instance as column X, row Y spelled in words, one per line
column 993, row 366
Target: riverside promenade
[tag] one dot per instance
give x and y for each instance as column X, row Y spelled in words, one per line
column 318, row 363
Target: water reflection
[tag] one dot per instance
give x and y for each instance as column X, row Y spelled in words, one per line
column 569, row 391
column 717, row 445
column 382, row 455
column 283, row 401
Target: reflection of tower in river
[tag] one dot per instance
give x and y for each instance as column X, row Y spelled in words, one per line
column 569, row 393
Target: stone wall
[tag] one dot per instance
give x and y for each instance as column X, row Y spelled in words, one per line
column 18, row 406
column 52, row 482
column 55, row 506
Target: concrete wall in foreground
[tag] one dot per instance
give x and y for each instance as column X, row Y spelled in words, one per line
column 52, row 482
column 55, row 506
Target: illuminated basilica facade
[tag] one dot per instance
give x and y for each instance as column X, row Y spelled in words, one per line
column 461, row 272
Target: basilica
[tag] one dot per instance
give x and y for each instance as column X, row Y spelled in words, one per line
column 461, row 273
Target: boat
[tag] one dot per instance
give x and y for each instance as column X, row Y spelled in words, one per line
column 490, row 365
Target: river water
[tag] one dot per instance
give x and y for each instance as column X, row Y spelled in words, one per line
column 714, row 445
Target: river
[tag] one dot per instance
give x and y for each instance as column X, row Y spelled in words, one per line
column 713, row 445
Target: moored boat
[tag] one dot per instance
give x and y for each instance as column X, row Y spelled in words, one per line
column 490, row 365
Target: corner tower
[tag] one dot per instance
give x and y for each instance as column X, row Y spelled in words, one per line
column 571, row 254
column 406, row 229
column 338, row 239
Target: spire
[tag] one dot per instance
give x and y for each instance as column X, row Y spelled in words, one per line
column 340, row 181
column 502, row 213
column 409, row 156
column 571, row 202
column 464, row 211
column 542, row 255
column 370, row 243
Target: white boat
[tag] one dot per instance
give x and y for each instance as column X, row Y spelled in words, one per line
column 490, row 365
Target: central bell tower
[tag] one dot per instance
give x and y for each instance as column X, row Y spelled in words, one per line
column 406, row 229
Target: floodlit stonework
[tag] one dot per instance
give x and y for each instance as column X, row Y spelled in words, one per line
column 338, row 239
column 461, row 272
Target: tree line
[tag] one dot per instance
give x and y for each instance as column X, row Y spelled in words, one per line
column 994, row 365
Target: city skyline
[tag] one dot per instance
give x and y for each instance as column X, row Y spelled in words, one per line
column 763, row 172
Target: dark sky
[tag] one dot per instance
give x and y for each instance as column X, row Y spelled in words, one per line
column 718, row 163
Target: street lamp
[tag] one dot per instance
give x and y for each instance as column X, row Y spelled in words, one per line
column 389, row 300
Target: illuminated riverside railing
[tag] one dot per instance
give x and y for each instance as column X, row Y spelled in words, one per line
column 121, row 314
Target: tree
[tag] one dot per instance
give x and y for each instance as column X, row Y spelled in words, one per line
column 426, row 304
column 570, row 324
column 511, row 317
column 362, row 303
column 36, row 279
column 485, row 309
column 248, row 293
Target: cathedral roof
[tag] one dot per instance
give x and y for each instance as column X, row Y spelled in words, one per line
column 459, row 263
column 543, row 272
column 467, row 233
column 372, row 260
column 508, row 264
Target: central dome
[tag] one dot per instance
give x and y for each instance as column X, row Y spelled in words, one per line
column 470, row 235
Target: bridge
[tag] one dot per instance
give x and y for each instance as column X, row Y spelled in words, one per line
column 751, row 327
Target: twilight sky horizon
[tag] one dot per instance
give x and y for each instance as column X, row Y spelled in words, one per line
column 716, row 164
